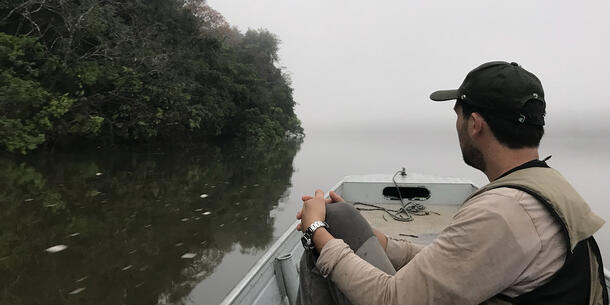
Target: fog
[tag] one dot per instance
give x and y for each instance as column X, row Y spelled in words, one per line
column 362, row 72
column 357, row 64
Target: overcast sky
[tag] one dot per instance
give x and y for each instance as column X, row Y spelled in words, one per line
column 376, row 62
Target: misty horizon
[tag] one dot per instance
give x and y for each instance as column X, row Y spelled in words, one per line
column 361, row 63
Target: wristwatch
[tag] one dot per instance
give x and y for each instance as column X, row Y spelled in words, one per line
column 307, row 238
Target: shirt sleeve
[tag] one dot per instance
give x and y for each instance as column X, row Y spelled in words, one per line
column 481, row 253
column 401, row 251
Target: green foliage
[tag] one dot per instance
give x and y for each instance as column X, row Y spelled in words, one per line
column 133, row 72
column 30, row 109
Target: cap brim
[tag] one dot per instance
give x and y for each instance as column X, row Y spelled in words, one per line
column 444, row 95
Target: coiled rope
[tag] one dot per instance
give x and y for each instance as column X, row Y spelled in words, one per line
column 404, row 213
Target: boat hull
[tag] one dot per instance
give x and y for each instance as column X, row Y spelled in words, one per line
column 272, row 280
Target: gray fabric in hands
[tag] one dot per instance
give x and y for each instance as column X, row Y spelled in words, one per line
column 347, row 224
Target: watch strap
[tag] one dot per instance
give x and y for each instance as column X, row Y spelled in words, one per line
column 316, row 225
column 307, row 238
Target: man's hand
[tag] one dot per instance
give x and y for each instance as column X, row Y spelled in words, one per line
column 334, row 197
column 314, row 209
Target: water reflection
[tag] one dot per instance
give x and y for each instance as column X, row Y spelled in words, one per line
column 140, row 228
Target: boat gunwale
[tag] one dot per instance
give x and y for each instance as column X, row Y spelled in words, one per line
column 260, row 264
column 264, row 260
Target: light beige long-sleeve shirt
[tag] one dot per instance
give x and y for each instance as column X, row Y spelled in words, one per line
column 501, row 241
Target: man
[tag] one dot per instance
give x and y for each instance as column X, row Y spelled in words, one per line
column 525, row 238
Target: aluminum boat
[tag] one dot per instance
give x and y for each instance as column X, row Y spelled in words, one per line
column 274, row 278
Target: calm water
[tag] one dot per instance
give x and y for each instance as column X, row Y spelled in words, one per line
column 140, row 228
column 129, row 218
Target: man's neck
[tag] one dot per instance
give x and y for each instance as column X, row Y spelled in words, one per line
column 504, row 159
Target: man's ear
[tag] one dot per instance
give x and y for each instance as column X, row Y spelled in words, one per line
column 477, row 124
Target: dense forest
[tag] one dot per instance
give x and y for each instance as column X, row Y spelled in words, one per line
column 135, row 71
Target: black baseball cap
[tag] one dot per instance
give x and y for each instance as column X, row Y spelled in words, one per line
column 501, row 89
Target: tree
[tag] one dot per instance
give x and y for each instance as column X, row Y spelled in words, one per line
column 119, row 71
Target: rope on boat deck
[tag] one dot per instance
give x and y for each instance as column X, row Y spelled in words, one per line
column 401, row 214
column 408, row 209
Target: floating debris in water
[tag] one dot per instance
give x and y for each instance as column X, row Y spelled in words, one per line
column 203, row 196
column 77, row 290
column 127, row 267
column 74, row 234
column 56, row 249
column 132, row 251
column 200, row 274
column 148, row 226
column 29, row 199
column 98, row 174
column 188, row 255
column 81, row 279
column 245, row 218
column 138, row 285
column 184, row 219
column 198, row 210
column 144, row 268
column 92, row 193
column 221, row 225
column 255, row 185
column 179, row 244
column 206, row 213
column 212, row 186
column 204, row 242
column 197, row 218
column 237, row 203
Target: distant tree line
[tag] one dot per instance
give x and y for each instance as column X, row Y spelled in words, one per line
column 133, row 71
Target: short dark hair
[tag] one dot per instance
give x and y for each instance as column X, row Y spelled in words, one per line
column 510, row 133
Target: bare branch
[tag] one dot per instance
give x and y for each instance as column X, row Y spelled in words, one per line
column 22, row 5
column 27, row 15
column 39, row 7
column 80, row 19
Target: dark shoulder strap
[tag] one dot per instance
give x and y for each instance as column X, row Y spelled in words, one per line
column 600, row 264
column 572, row 283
